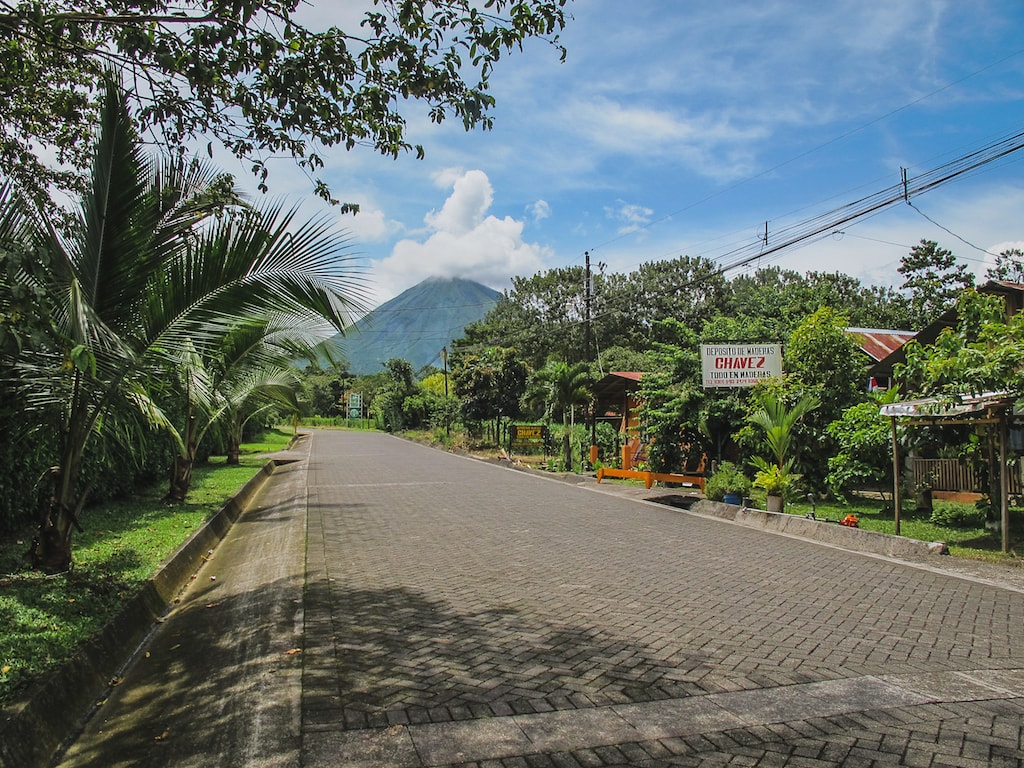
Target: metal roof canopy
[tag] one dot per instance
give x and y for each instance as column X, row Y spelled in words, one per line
column 614, row 387
column 992, row 409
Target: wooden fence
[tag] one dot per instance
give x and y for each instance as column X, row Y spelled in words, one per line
column 951, row 475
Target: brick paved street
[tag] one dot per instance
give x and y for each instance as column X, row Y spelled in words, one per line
column 455, row 613
column 459, row 613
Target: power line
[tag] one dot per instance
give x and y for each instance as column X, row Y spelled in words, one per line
column 949, row 231
column 826, row 223
column 830, row 142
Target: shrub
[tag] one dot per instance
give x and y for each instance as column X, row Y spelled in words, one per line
column 728, row 478
column 952, row 514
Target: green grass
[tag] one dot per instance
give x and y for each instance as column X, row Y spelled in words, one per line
column 46, row 618
column 972, row 542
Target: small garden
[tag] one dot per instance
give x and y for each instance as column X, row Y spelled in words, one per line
column 958, row 524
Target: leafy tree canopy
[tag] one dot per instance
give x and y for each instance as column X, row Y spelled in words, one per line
column 982, row 352
column 685, row 288
column 863, row 456
column 1009, row 267
column 822, row 354
column 933, row 280
column 251, row 75
column 490, row 384
column 541, row 316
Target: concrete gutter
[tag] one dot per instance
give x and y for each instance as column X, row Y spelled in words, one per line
column 33, row 729
column 856, row 539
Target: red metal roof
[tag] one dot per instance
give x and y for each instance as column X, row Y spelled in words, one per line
column 878, row 343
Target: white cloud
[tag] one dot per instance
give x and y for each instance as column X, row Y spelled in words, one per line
column 540, row 210
column 370, row 224
column 464, row 209
column 633, row 217
column 463, row 241
column 707, row 143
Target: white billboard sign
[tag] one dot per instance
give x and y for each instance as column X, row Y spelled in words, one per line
column 739, row 365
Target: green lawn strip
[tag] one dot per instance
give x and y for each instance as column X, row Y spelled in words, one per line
column 971, row 542
column 45, row 618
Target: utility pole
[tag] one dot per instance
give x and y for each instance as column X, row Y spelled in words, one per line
column 444, row 362
column 588, row 292
column 586, row 307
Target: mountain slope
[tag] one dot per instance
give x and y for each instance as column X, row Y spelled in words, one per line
column 417, row 323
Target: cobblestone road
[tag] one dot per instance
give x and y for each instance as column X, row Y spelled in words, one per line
column 458, row 613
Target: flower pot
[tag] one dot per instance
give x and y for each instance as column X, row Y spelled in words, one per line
column 733, row 498
column 774, row 503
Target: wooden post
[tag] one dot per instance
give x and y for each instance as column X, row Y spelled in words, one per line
column 895, row 475
column 1004, row 484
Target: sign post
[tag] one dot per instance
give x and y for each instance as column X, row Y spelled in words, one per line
column 523, row 435
column 739, row 365
column 355, row 405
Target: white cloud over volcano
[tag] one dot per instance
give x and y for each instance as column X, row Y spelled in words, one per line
column 461, row 240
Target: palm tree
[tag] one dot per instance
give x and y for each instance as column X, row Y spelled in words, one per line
column 778, row 422
column 250, row 371
column 563, row 387
column 158, row 260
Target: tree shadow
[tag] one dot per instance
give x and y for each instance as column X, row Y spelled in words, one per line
column 394, row 656
column 216, row 684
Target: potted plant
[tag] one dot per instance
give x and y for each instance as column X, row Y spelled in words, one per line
column 779, row 423
column 775, row 481
column 728, row 484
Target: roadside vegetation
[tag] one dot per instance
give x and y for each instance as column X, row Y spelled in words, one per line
column 46, row 617
column 154, row 324
column 960, row 525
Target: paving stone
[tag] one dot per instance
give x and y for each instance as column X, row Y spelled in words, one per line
column 487, row 587
column 445, row 743
column 359, row 749
column 459, row 613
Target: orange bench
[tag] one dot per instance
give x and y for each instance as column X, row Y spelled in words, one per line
column 650, row 478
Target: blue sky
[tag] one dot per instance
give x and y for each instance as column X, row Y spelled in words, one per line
column 680, row 128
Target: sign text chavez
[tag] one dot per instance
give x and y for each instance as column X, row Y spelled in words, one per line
column 525, row 432
column 739, row 365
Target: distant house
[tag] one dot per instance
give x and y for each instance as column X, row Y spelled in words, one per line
column 878, row 344
column 1012, row 293
column 616, row 402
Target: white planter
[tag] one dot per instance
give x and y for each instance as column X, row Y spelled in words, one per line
column 774, row 503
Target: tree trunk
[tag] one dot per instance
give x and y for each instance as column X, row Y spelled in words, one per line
column 181, row 468
column 566, row 445
column 51, row 549
column 234, row 440
column 181, row 476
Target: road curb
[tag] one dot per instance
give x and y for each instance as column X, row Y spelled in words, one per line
column 35, row 728
column 826, row 532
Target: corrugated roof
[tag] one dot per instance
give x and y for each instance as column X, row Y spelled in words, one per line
column 614, row 386
column 934, row 407
column 879, row 343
